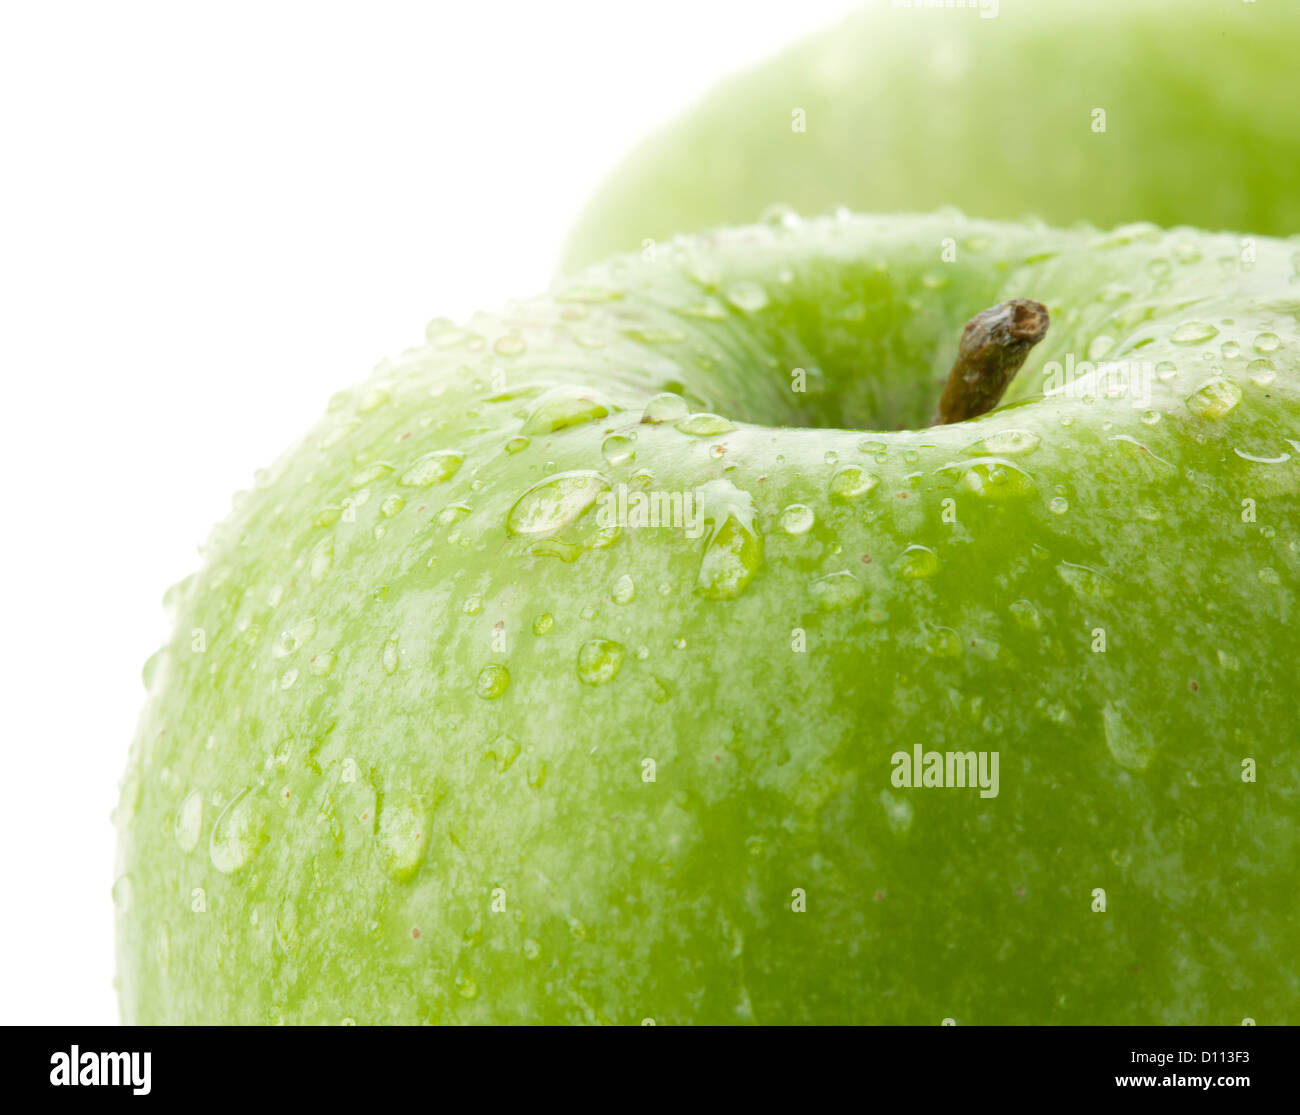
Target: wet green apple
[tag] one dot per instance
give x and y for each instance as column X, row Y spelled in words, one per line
column 1172, row 111
column 603, row 660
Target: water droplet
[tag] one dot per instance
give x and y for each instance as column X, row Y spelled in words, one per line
column 1230, row 349
column 1150, row 417
column 599, row 661
column 836, row 590
column 665, row 407
column 402, row 834
column 493, row 681
column 618, row 450
column 1059, row 505
column 898, row 811
column 562, row 407
column 392, row 655
column 555, row 502
column 851, row 483
column 1026, row 615
column 122, row 893
column 369, row 475
column 290, row 640
column 510, row 344
column 288, row 678
column 1166, row 370
column 1099, row 346
column 1262, row 372
column 503, row 752
column 991, row 477
column 1267, row 342
column 189, row 821
column 543, row 623
column 1228, row 660
column 733, row 553
column 917, row 562
column 322, row 664
column 1085, row 581
column 391, row 506
column 322, row 558
column 1005, row 443
column 239, row 833
column 703, row 425
column 516, row 444
column 624, row 591
column 532, row 950
column 943, row 642
column 747, row 296
column 798, row 518
column 708, row 308
column 1215, row 398
column 1193, row 333
column 1130, row 745
column 432, row 468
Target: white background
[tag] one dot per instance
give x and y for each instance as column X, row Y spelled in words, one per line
column 212, row 217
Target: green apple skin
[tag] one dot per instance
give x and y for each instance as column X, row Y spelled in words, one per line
column 393, row 763
column 907, row 109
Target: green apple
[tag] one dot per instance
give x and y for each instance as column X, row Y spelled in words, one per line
column 1172, row 111
column 604, row 659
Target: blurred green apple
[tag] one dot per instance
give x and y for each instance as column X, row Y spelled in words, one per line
column 641, row 653
column 1171, row 111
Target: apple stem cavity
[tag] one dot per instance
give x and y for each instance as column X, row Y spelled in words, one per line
column 994, row 345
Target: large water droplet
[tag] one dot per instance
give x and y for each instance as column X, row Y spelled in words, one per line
column 1086, row 582
column 1193, row 333
column 836, row 590
column 1215, row 398
column 917, row 562
column 850, row 483
column 599, row 661
column 402, row 835
column 798, row 518
column 391, row 655
column 991, row 477
column 432, row 468
column 493, row 681
column 1005, row 443
column 747, row 296
column 555, row 502
column 733, row 553
column 1128, row 742
column 189, row 821
column 562, row 407
column 618, row 450
column 239, row 833
column 704, row 425
column 665, row 407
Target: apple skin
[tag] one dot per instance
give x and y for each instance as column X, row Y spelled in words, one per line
column 910, row 109
column 327, row 797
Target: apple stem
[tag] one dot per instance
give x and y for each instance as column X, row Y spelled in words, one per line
column 993, row 346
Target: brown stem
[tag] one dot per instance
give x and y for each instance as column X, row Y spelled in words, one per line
column 994, row 345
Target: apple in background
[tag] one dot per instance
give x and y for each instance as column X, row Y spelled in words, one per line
column 449, row 731
column 907, row 108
